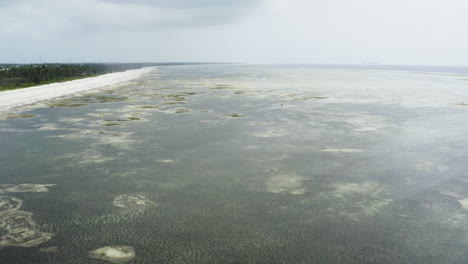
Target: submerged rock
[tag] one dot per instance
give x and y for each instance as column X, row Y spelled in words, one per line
column 114, row 254
column 21, row 188
column 292, row 184
column 131, row 201
column 20, row 230
column 235, row 115
column 9, row 203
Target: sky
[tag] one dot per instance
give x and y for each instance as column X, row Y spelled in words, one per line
column 401, row 32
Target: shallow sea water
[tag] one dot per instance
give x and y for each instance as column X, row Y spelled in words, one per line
column 241, row 164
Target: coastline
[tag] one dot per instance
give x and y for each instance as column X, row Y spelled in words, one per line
column 31, row 95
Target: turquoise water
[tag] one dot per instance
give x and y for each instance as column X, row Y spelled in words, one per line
column 242, row 164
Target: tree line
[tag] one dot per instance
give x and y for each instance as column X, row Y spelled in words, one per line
column 40, row 73
column 14, row 76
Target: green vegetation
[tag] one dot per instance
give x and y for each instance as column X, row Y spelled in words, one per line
column 21, row 76
column 236, row 115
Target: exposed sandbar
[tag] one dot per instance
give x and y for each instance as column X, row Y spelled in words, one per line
column 27, row 96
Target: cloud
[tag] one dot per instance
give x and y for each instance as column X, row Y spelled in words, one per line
column 189, row 4
column 267, row 31
column 48, row 17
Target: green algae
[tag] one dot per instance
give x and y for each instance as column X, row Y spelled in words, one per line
column 19, row 116
column 66, row 104
column 116, row 120
column 460, row 104
column 175, row 97
column 130, row 118
column 222, row 86
column 148, row 106
column 173, row 103
column 181, row 110
column 86, row 100
column 312, row 97
column 99, row 114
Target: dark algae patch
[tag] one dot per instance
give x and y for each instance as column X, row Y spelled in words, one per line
column 111, row 124
column 149, row 106
column 235, row 115
column 66, row 104
column 19, row 116
column 181, row 110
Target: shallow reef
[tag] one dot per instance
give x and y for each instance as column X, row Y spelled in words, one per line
column 20, row 230
column 132, row 201
column 357, row 200
column 9, row 203
column 17, row 228
column 114, row 254
column 148, row 106
column 431, row 167
column 181, row 110
column 20, row 188
column 292, row 184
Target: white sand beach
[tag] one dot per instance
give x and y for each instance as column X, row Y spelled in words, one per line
column 27, row 96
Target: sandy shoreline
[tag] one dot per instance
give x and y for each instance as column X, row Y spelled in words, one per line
column 32, row 95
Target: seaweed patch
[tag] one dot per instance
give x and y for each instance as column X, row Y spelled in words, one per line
column 292, row 184
column 15, row 116
column 17, row 227
column 9, row 203
column 132, row 201
column 21, row 188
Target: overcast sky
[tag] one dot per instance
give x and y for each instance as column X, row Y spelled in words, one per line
column 419, row 32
